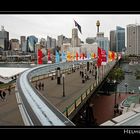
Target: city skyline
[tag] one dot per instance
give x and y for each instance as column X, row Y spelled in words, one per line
column 43, row 25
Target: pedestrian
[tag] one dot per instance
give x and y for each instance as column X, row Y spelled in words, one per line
column 39, row 85
column 9, row 90
column 36, row 86
column 1, row 94
column 4, row 95
column 42, row 85
column 120, row 95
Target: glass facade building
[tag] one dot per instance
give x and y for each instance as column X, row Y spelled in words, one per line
column 31, row 41
column 4, row 40
column 120, row 39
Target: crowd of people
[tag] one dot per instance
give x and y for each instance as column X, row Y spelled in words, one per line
column 39, row 86
column 85, row 75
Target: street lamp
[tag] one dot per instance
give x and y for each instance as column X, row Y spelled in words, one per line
column 115, row 93
column 139, row 94
column 63, row 77
column 126, row 87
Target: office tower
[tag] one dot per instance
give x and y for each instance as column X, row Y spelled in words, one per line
column 60, row 40
column 117, row 39
column 31, row 41
column 120, row 39
column 113, row 40
column 74, row 41
column 23, row 43
column 14, row 45
column 133, row 39
column 43, row 42
column 53, row 43
column 4, row 39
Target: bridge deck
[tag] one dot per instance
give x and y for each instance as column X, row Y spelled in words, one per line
column 73, row 89
column 9, row 111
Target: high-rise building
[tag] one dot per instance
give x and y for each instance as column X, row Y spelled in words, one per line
column 31, row 41
column 113, row 40
column 4, row 39
column 43, row 42
column 117, row 39
column 102, row 41
column 48, row 42
column 53, row 43
column 23, row 43
column 74, row 41
column 60, row 40
column 14, row 45
column 120, row 39
column 133, row 39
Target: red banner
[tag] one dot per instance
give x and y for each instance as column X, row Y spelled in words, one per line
column 103, row 52
column 77, row 56
column 99, row 61
column 49, row 55
column 40, row 55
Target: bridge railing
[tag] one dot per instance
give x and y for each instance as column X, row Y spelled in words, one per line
column 37, row 109
column 69, row 110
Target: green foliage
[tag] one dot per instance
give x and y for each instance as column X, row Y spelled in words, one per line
column 116, row 74
column 137, row 74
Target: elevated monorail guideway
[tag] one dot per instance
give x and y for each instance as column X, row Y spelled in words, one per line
column 35, row 109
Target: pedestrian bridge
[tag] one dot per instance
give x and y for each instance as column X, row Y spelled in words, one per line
column 37, row 110
column 34, row 108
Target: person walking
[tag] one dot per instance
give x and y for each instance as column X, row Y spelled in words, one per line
column 42, row 85
column 9, row 90
column 4, row 95
column 1, row 94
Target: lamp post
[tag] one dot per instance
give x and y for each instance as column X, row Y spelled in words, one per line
column 126, row 87
column 63, row 77
column 115, row 93
column 139, row 94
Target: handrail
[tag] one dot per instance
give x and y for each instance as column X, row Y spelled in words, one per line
column 37, row 109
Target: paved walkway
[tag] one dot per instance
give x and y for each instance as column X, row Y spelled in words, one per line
column 9, row 111
column 73, row 89
column 103, row 108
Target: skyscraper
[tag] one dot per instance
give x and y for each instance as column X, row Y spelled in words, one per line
column 113, row 40
column 74, row 41
column 31, row 41
column 117, row 39
column 23, row 43
column 4, row 39
column 14, row 44
column 120, row 39
column 133, row 39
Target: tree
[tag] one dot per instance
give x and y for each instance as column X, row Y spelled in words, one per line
column 116, row 74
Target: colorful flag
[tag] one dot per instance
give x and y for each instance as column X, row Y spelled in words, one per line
column 99, row 61
column 49, row 55
column 40, row 55
column 76, row 56
column 57, row 57
column 63, row 56
column 78, row 26
column 103, row 55
column 68, row 56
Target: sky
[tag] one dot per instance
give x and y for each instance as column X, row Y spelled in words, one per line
column 43, row 25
